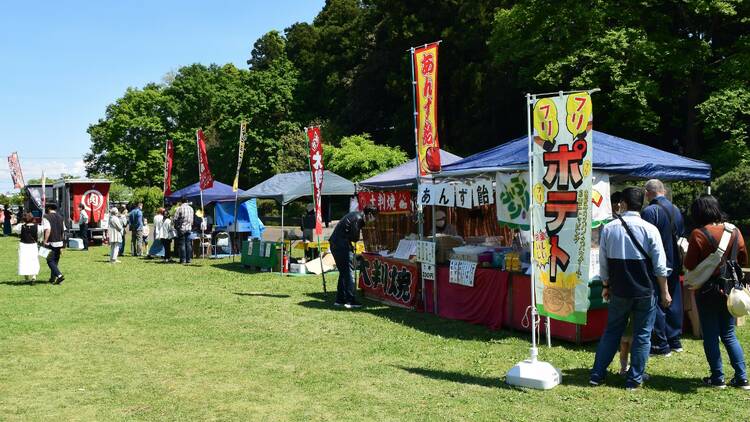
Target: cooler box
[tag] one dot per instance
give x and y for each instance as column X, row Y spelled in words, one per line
column 75, row 243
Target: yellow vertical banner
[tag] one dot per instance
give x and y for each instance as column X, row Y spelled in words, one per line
column 426, row 78
column 243, row 138
column 562, row 187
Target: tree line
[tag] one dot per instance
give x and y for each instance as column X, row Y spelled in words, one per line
column 672, row 75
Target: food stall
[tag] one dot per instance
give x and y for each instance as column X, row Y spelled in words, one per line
column 482, row 277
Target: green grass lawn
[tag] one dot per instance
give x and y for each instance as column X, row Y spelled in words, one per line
column 147, row 341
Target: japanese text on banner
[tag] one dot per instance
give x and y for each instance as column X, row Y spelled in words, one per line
column 426, row 74
column 317, row 170
column 561, row 195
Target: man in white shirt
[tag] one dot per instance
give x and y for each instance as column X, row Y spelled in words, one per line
column 83, row 226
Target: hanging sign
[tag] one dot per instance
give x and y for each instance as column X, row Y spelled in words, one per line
column 462, row 272
column 482, row 193
column 600, row 199
column 445, row 195
column 392, row 202
column 513, row 199
column 561, row 196
column 464, row 196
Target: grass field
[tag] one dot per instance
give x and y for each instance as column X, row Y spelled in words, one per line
column 148, row 341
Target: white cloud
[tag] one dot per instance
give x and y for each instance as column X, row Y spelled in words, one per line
column 32, row 169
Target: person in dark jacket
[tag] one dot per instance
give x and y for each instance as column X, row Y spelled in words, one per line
column 54, row 240
column 347, row 232
column 667, row 334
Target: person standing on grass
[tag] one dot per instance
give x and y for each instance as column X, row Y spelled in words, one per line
column 345, row 234
column 667, row 334
column 711, row 300
column 54, row 238
column 166, row 233
column 183, row 223
column 8, row 220
column 124, row 221
column 115, row 234
column 28, row 251
column 135, row 220
column 83, row 226
column 157, row 247
column 146, row 231
column 630, row 255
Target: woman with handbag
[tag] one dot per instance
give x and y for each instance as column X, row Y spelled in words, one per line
column 716, row 321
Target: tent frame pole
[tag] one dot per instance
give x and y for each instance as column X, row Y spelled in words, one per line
column 281, row 262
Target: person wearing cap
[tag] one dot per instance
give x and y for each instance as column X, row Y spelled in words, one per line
column 53, row 225
column 660, row 212
column 345, row 234
column 442, row 225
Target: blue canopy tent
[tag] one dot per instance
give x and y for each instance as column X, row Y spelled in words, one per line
column 219, row 192
column 247, row 218
column 615, row 156
column 405, row 175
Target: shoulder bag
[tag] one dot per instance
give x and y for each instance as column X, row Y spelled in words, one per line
column 696, row 277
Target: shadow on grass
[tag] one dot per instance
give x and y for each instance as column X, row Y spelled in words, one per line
column 458, row 377
column 255, row 294
column 22, row 283
column 580, row 377
column 424, row 322
column 236, row 267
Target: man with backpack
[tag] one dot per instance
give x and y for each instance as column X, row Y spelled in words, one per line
column 632, row 265
column 660, row 212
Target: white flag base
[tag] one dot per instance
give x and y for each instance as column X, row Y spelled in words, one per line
column 532, row 373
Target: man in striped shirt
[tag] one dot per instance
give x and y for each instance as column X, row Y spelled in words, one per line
column 183, row 223
column 632, row 265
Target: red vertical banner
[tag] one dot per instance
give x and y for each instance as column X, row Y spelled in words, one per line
column 316, row 171
column 15, row 171
column 168, row 158
column 426, row 78
column 207, row 181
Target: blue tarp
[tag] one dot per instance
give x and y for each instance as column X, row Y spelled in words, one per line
column 612, row 155
column 403, row 176
column 247, row 217
column 219, row 192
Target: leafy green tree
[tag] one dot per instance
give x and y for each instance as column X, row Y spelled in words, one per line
column 268, row 49
column 152, row 198
column 129, row 142
column 359, row 158
column 293, row 152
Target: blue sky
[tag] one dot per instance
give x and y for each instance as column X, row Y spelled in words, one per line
column 63, row 62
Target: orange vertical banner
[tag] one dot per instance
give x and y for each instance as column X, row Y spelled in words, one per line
column 426, row 76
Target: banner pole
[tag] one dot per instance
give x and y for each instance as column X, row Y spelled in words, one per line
column 200, row 186
column 534, row 350
column 420, row 210
column 234, row 232
column 317, row 236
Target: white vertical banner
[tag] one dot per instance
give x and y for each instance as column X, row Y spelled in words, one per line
column 561, row 196
column 513, row 199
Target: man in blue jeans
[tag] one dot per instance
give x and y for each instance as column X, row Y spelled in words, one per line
column 630, row 255
column 660, row 212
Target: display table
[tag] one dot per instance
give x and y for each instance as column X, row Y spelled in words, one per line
column 393, row 281
column 257, row 255
column 482, row 304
